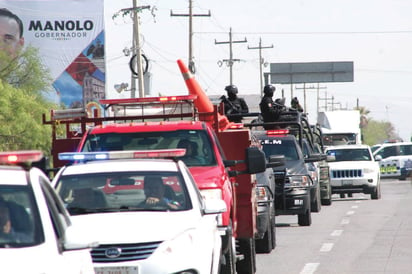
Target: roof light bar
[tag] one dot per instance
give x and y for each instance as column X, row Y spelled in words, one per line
column 162, row 99
column 124, row 154
column 277, row 132
column 17, row 157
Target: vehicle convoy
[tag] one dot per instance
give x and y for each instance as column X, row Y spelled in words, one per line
column 147, row 214
column 222, row 168
column 340, row 127
column 354, row 171
column 297, row 189
column 395, row 159
column 37, row 234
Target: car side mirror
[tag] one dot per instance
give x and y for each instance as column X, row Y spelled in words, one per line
column 276, row 161
column 378, row 158
column 255, row 160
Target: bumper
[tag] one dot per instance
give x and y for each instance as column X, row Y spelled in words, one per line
column 364, row 185
column 292, row 201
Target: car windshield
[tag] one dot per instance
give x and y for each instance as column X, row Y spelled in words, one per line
column 359, row 154
column 283, row 147
column 20, row 223
column 196, row 143
column 123, row 191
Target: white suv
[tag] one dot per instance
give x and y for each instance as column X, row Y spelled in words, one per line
column 36, row 234
column 354, row 171
column 140, row 231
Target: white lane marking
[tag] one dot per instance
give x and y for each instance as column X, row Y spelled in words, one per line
column 337, row 232
column 355, row 206
column 350, row 212
column 326, row 247
column 358, row 202
column 344, row 221
column 309, row 268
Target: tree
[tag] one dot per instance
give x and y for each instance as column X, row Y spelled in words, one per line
column 25, row 71
column 23, row 81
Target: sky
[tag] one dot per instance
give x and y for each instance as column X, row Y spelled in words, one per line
column 376, row 35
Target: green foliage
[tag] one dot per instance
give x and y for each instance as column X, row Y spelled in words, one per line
column 25, row 71
column 378, row 131
column 21, row 120
column 23, row 80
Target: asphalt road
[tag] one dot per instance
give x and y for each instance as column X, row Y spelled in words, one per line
column 353, row 235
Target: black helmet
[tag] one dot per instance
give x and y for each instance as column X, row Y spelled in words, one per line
column 231, row 89
column 269, row 90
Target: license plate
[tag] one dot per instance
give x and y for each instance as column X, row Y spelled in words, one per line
column 298, row 202
column 117, row 270
column 347, row 182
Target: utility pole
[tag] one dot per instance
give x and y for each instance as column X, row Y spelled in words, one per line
column 191, row 15
column 261, row 62
column 231, row 60
column 136, row 47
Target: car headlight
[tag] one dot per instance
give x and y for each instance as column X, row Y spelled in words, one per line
column 298, row 180
column 368, row 170
column 208, row 194
column 211, row 194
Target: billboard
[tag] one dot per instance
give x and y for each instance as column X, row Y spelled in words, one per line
column 71, row 41
column 311, row 72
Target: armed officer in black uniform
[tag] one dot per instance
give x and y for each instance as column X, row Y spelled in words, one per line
column 269, row 109
column 234, row 104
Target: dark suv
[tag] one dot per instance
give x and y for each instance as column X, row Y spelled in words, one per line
column 295, row 190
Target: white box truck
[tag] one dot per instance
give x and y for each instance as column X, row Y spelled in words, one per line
column 340, row 127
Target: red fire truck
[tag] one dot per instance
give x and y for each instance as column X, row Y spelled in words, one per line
column 223, row 157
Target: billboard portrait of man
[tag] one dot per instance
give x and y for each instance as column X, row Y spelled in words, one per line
column 11, row 32
column 69, row 36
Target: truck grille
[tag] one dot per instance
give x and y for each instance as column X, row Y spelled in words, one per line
column 347, row 173
column 123, row 252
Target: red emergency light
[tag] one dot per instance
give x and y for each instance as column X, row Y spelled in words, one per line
column 18, row 157
column 277, row 132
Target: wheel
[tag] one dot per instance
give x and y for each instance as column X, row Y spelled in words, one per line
column 342, row 195
column 305, row 219
column 247, row 249
column 316, row 206
column 326, row 202
column 229, row 258
column 376, row 194
column 266, row 244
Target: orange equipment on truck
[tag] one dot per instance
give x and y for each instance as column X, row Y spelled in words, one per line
column 223, row 158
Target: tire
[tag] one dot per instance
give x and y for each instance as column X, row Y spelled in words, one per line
column 305, row 219
column 326, row 202
column 316, row 206
column 228, row 265
column 376, row 194
column 247, row 249
column 265, row 245
column 229, row 258
column 342, row 195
